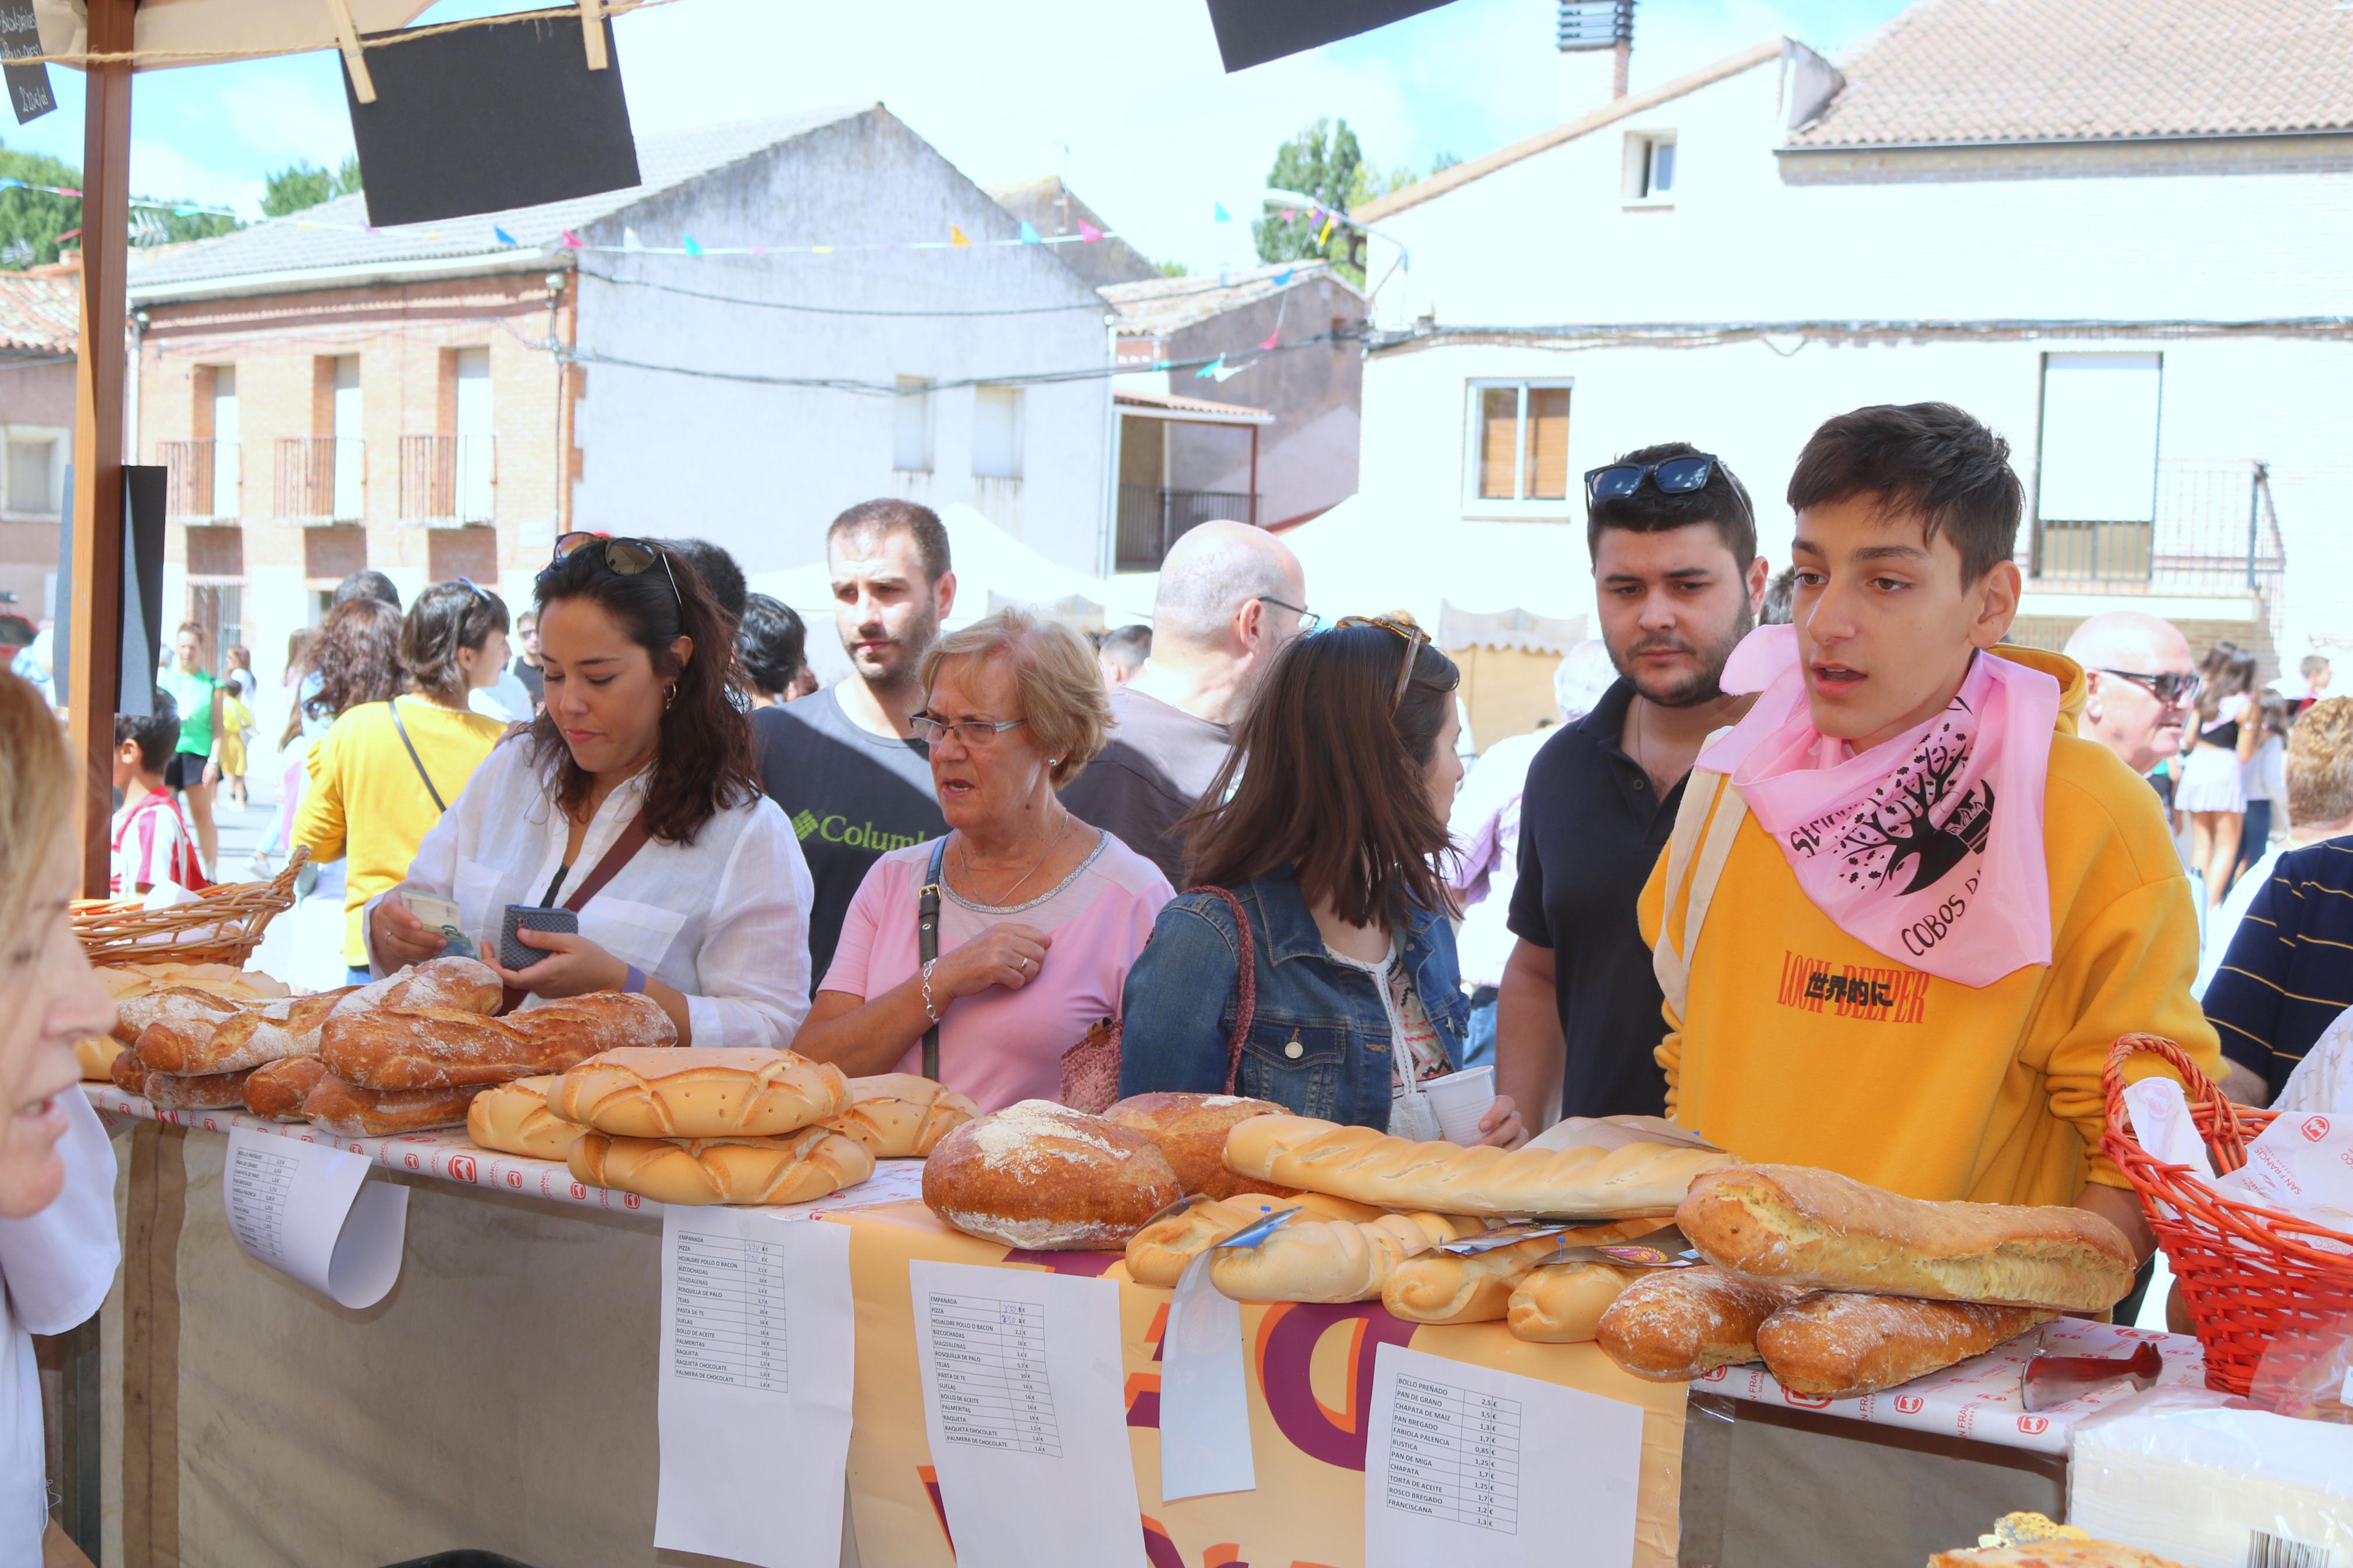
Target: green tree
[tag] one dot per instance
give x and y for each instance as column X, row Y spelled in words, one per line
column 1325, row 163
column 31, row 221
column 304, row 184
column 1172, row 269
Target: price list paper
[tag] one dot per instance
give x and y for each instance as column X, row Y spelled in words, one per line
column 1024, row 1407
column 309, row 1211
column 1451, row 1445
column 756, row 1369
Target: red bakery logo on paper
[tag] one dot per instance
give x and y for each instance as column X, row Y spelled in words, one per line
column 2034, row 1426
column 628, row 1200
column 412, row 1163
column 1910, row 1404
column 1806, row 1401
column 1878, row 996
column 514, row 1180
column 1715, row 1374
column 579, row 1193
column 461, row 1167
column 210, row 1126
column 2315, row 1129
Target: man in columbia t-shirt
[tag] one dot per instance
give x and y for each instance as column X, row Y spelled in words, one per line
column 843, row 763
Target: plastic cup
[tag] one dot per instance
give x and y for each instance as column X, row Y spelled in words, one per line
column 1459, row 1099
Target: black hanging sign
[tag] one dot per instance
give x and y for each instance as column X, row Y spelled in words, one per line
column 29, row 86
column 1252, row 32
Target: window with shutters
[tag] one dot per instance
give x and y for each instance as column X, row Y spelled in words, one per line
column 1650, row 179
column 2096, row 469
column 1518, row 450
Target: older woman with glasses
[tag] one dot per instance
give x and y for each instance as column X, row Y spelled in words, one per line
column 1038, row 917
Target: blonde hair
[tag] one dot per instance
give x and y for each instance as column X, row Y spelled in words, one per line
column 1054, row 674
column 36, row 795
column 2320, row 763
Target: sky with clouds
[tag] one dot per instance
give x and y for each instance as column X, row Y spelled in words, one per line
column 1126, row 97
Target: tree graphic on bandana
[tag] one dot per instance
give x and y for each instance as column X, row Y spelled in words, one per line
column 1903, row 824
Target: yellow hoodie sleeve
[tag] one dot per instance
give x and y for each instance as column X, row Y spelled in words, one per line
column 319, row 825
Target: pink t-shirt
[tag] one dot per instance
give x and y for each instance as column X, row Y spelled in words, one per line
column 998, row 1045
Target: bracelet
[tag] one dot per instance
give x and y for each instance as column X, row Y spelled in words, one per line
column 931, row 1011
column 633, row 979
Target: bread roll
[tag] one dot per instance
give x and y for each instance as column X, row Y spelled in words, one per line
column 185, row 1006
column 1674, row 1324
column 1443, row 1288
column 349, row 1111
column 1822, row 1231
column 792, row 1169
column 1331, row 1259
column 1835, row 1344
column 96, row 1053
column 261, row 1032
column 700, row 1091
column 514, row 1119
column 1157, row 1254
column 901, row 1115
column 209, row 1091
column 1400, row 1173
column 464, row 985
column 277, row 1090
column 443, row 1048
column 1191, row 1131
column 1562, row 1303
column 1043, row 1176
column 128, row 1072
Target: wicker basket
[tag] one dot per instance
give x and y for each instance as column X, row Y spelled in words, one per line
column 223, row 926
column 2248, row 1274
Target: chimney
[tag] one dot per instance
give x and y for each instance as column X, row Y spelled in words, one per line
column 1597, row 45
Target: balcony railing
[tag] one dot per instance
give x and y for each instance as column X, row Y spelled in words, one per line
column 447, row 481
column 2214, row 531
column 1152, row 517
column 205, row 480
column 321, row 479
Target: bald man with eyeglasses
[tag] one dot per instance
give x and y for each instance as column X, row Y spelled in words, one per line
column 2140, row 685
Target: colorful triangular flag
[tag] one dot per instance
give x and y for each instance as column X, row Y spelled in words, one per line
column 1210, row 369
column 571, row 240
column 1088, row 232
column 957, row 239
column 1028, row 235
column 1225, row 372
column 630, row 240
column 1283, row 279
column 687, row 243
column 1218, row 212
column 1325, row 236
column 1289, row 213
column 1273, row 341
column 503, row 235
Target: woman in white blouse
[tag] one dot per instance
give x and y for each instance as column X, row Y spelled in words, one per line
column 636, row 783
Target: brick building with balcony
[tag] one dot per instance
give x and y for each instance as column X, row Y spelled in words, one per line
column 40, row 314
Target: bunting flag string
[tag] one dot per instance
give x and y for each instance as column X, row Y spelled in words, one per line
column 565, row 239
column 177, row 209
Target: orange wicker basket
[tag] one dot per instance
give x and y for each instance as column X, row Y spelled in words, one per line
column 2248, row 1274
column 223, row 926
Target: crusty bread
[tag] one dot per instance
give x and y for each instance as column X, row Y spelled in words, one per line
column 125, row 981
column 465, row 984
column 96, row 1053
column 1400, row 1173
column 128, row 1072
column 1191, row 1131
column 443, row 1048
column 1823, row 1231
column 277, row 1090
column 1674, row 1324
column 207, row 1091
column 259, row 1032
column 185, row 1005
column 1043, row 1176
column 514, row 1119
column 1331, row 1260
column 1157, row 1254
column 1837, row 1344
column 901, row 1115
column 793, row 1169
column 2054, row 1554
column 1562, row 1303
column 349, row 1111
column 1443, row 1288
column 698, row 1091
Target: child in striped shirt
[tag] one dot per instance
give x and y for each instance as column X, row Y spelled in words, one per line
column 152, row 843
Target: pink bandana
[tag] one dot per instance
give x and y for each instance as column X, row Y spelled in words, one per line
column 1926, row 848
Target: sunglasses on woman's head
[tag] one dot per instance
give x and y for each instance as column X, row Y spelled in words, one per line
column 622, row 557
column 1403, row 626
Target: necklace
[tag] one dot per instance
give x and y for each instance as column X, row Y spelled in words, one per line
column 964, row 862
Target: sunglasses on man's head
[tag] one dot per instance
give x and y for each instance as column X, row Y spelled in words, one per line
column 2173, row 687
column 1674, row 477
column 622, row 557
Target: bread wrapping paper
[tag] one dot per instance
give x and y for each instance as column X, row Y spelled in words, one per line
column 1982, row 1398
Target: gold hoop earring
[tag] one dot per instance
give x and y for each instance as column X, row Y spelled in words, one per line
column 669, row 697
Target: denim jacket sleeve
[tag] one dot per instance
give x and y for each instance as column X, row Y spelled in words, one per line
column 1176, row 1012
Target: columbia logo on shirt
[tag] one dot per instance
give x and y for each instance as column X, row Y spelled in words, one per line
column 1877, row 995
column 837, row 829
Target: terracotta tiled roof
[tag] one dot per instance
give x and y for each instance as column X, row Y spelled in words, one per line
column 2036, row 70
column 1159, row 306
column 39, row 314
column 1228, row 413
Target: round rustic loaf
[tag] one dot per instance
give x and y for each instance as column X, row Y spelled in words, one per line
column 1045, row 1177
column 1191, row 1131
column 699, row 1092
column 796, row 1168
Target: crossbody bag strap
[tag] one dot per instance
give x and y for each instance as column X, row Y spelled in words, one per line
column 1245, row 983
column 927, row 944
column 393, row 707
column 1703, row 855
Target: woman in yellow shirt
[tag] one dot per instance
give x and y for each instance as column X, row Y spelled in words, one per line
column 385, row 770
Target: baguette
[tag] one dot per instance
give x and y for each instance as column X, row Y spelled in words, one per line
column 277, row 1090
column 206, row 1091
column 261, row 1032
column 1157, row 1254
column 1562, row 1303
column 1838, row 1345
column 1043, row 1177
column 1640, row 1179
column 446, row 1048
column 514, row 1119
column 97, row 1054
column 1191, row 1131
column 1675, row 1324
column 185, row 1005
column 792, row 1169
column 901, row 1115
column 1443, row 1288
column 349, row 1111
column 128, row 1072
column 1822, row 1231
column 700, row 1091
column 1331, row 1260
column 466, row 985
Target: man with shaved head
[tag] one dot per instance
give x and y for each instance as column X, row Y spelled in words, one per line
column 1231, row 597
column 2140, row 685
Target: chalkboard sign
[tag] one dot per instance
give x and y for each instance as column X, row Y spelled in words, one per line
column 1252, row 32
column 29, row 86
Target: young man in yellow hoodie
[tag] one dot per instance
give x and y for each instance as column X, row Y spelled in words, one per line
column 1925, row 910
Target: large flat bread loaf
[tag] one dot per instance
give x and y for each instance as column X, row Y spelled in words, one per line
column 1822, row 1231
column 794, row 1169
column 466, row 985
column 1397, row 1172
column 1562, row 1303
column 124, row 981
column 1331, row 1260
column 901, row 1115
column 2054, row 1554
column 1191, row 1131
column 349, row 1111
column 261, row 1032
column 445, row 1047
column 698, row 1091
column 1674, row 1324
column 514, row 1119
column 1045, row 1177
column 277, row 1090
column 1838, row 1345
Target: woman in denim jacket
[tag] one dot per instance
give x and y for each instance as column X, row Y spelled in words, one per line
column 1325, row 826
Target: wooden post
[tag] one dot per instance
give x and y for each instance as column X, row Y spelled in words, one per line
column 97, row 600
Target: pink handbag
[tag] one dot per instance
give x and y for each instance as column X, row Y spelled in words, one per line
column 1090, row 1068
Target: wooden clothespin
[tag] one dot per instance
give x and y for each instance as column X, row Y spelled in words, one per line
column 347, row 36
column 592, row 23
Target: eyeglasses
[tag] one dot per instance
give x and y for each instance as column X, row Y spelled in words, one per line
column 623, row 557
column 1308, row 619
column 472, row 587
column 2173, row 687
column 1675, row 476
column 1402, row 625
column 970, row 731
